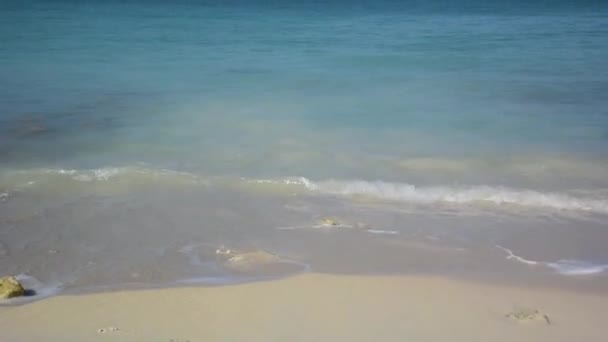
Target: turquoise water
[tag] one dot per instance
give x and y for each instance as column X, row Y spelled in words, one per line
column 451, row 106
column 300, row 89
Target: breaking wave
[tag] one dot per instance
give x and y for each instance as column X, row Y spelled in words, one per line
column 593, row 202
column 495, row 195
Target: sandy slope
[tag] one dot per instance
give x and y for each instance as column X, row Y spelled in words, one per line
column 313, row 307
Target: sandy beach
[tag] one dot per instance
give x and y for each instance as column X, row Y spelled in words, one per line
column 316, row 307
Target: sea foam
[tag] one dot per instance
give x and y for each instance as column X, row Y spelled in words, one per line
column 381, row 190
column 577, row 267
column 107, row 173
column 569, row 267
column 496, row 195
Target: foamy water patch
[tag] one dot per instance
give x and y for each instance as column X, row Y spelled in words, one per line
column 101, row 179
column 108, row 173
column 479, row 195
column 303, row 181
column 289, row 185
column 567, row 267
column 382, row 232
column 494, row 195
column 577, row 267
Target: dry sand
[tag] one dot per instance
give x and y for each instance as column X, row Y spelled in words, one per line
column 314, row 307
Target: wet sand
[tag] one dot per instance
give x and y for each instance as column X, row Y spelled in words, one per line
column 98, row 235
column 315, row 307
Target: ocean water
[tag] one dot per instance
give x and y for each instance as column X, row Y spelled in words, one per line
column 132, row 131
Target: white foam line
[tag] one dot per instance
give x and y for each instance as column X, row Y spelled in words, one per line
column 106, row 173
column 331, row 226
column 327, row 226
column 575, row 267
column 563, row 267
column 380, row 231
column 498, row 195
column 317, row 226
column 512, row 255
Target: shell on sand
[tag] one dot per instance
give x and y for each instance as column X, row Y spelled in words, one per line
column 256, row 262
column 528, row 315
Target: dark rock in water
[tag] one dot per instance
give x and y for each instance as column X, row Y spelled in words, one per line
column 10, row 287
column 35, row 128
column 29, row 127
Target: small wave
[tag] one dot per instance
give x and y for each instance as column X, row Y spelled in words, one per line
column 384, row 232
column 297, row 181
column 576, row 267
column 19, row 180
column 458, row 195
column 106, row 173
column 88, row 175
column 569, row 267
column 596, row 202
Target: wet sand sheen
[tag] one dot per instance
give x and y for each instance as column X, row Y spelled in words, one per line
column 314, row 307
column 110, row 236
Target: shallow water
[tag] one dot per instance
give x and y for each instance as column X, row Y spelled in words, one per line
column 433, row 132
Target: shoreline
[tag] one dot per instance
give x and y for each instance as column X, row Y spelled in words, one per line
column 314, row 307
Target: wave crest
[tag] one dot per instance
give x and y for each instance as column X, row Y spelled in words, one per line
column 496, row 195
column 587, row 201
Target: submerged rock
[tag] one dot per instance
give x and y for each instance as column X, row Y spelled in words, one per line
column 10, row 287
column 29, row 127
column 528, row 315
column 255, row 262
column 329, row 222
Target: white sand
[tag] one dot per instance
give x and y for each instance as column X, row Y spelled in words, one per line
column 313, row 307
